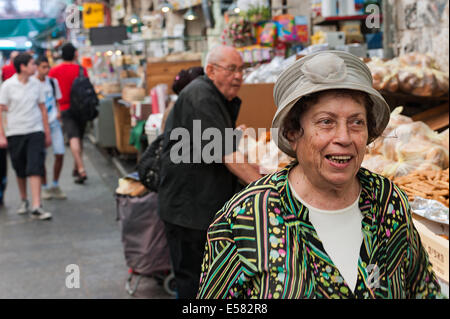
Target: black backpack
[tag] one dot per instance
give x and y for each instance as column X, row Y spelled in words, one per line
column 53, row 87
column 150, row 164
column 83, row 99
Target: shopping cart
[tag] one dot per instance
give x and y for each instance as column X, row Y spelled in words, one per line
column 144, row 241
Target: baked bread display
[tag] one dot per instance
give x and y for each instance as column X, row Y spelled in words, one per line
column 413, row 73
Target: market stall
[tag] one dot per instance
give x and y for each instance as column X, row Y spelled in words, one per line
column 125, row 84
column 413, row 151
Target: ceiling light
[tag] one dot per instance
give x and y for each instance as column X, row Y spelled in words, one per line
column 190, row 15
column 233, row 8
column 165, row 7
column 134, row 19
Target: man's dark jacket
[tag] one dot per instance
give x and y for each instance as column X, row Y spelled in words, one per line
column 191, row 193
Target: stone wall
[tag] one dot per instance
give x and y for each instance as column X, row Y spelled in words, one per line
column 422, row 26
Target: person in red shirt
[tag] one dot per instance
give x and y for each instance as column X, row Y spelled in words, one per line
column 66, row 72
column 8, row 70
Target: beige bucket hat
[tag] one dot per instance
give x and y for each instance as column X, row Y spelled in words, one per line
column 322, row 71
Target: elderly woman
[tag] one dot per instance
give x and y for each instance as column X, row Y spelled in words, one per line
column 323, row 227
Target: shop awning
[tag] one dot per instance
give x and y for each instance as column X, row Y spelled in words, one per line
column 23, row 27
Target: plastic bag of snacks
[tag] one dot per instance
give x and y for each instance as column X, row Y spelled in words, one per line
column 301, row 29
column 406, row 146
column 412, row 73
column 268, row 34
column 285, row 28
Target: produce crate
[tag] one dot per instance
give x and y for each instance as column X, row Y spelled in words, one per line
column 436, row 118
column 436, row 246
column 122, row 122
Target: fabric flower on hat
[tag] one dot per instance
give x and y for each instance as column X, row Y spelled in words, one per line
column 325, row 68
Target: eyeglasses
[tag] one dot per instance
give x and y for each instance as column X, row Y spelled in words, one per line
column 232, row 68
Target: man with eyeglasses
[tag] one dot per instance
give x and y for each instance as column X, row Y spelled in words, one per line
column 192, row 191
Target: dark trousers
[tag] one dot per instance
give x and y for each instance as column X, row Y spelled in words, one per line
column 3, row 174
column 186, row 251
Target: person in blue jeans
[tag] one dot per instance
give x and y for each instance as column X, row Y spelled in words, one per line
column 52, row 95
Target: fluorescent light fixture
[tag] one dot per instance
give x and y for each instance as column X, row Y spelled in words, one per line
column 7, row 44
column 190, row 15
column 27, row 5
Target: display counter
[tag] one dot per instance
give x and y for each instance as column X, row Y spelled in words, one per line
column 103, row 126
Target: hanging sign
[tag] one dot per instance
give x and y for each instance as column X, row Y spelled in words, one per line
column 93, row 15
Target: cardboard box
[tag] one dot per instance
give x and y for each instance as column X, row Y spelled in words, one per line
column 122, row 123
column 258, row 107
column 435, row 245
column 140, row 110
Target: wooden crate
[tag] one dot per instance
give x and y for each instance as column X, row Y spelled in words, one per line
column 122, row 123
column 165, row 72
column 436, row 117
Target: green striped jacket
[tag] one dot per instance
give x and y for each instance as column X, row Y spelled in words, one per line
column 262, row 245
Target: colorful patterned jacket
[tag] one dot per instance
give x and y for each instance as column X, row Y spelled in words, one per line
column 262, row 245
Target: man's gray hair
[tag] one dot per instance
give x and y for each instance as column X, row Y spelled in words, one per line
column 215, row 55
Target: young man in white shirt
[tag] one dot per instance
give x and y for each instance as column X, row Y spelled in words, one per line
column 52, row 95
column 27, row 132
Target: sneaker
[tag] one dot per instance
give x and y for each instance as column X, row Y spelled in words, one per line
column 23, row 208
column 46, row 193
column 40, row 214
column 57, row 193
